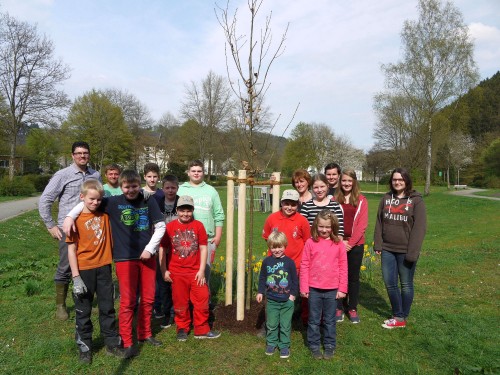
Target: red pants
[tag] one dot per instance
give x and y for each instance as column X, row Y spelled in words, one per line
column 185, row 289
column 133, row 276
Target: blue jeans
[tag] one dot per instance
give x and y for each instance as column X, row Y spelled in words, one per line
column 322, row 302
column 394, row 265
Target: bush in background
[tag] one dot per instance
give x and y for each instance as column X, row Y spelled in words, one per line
column 19, row 186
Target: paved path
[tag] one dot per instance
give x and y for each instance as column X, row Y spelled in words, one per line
column 14, row 208
column 469, row 192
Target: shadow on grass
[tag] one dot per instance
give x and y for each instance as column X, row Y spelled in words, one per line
column 372, row 300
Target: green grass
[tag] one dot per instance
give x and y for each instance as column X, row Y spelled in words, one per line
column 453, row 325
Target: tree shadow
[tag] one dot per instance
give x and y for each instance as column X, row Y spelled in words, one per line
column 372, row 300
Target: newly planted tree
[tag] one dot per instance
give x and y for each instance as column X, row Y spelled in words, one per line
column 252, row 56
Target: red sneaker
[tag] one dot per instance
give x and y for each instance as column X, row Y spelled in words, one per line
column 339, row 315
column 394, row 323
column 353, row 316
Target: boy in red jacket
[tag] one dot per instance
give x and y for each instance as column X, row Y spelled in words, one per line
column 183, row 257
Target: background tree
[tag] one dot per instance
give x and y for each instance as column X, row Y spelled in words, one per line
column 299, row 149
column 437, row 65
column 94, row 118
column 166, row 133
column 491, row 160
column 44, row 146
column 460, row 150
column 378, row 162
column 138, row 120
column 315, row 145
column 29, row 77
column 399, row 130
column 210, row 105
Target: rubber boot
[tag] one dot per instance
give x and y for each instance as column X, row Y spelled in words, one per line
column 61, row 293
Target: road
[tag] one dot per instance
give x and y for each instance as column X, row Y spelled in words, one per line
column 469, row 192
column 14, row 208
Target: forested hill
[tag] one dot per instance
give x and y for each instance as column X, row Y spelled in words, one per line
column 478, row 112
column 477, row 115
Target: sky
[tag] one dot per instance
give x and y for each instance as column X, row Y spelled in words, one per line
column 330, row 67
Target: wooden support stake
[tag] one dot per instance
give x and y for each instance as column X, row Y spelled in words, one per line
column 240, row 281
column 276, row 192
column 229, row 238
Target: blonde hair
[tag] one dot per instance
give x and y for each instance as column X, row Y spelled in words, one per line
column 326, row 214
column 277, row 239
column 354, row 197
column 92, row 185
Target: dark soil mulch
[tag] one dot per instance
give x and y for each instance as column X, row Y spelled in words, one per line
column 253, row 322
column 225, row 318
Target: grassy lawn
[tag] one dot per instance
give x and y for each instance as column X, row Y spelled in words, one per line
column 451, row 328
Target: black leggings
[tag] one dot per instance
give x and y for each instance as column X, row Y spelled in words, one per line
column 354, row 260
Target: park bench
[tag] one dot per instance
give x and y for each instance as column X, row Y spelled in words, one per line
column 457, row 187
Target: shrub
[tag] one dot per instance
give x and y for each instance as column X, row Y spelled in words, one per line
column 19, row 186
column 39, row 181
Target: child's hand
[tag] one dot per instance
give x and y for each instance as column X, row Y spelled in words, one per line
column 291, row 298
column 145, row 255
column 68, row 226
column 200, row 278
column 340, row 295
column 259, row 297
column 305, row 295
column 79, row 287
column 167, row 277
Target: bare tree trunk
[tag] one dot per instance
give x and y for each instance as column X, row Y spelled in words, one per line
column 12, row 158
column 429, row 159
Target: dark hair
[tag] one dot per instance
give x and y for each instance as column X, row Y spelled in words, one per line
column 326, row 214
column 112, row 167
column 129, row 175
column 299, row 174
column 170, row 178
column 407, row 179
column 196, row 163
column 333, row 166
column 151, row 167
column 339, row 193
column 80, row 144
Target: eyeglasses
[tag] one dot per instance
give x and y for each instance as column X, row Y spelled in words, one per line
column 398, row 180
column 81, row 153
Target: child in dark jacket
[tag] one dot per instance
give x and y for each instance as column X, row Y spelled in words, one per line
column 278, row 280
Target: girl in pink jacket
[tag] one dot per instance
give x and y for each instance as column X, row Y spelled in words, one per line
column 323, row 279
column 355, row 209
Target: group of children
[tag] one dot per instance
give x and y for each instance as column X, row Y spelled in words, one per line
column 129, row 229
